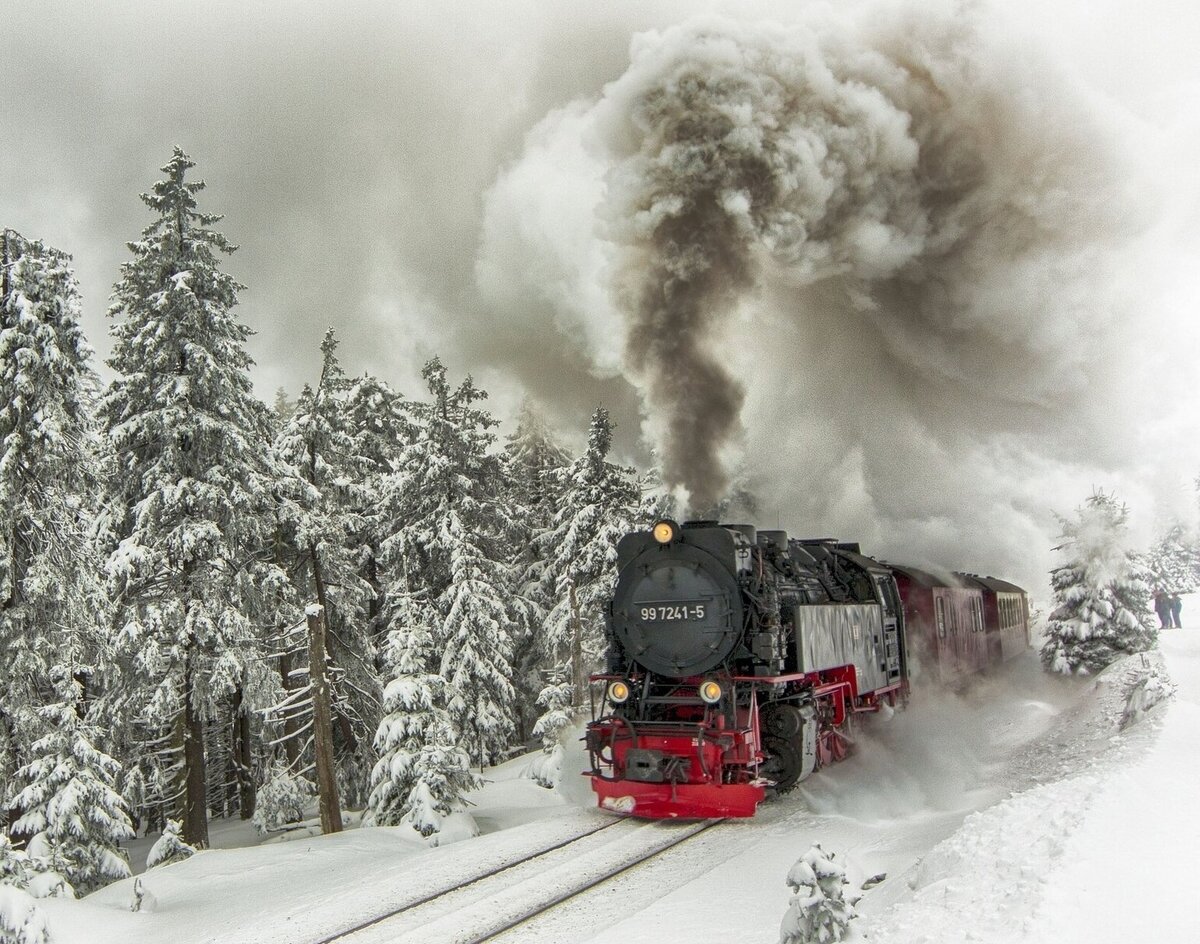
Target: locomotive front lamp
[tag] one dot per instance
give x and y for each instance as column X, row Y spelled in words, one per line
column 664, row 532
column 618, row 693
column 710, row 692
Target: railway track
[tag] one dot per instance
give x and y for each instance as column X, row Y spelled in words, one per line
column 489, row 904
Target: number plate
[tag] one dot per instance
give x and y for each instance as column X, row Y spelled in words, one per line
column 672, row 612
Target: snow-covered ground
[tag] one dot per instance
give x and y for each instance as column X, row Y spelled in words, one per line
column 1017, row 812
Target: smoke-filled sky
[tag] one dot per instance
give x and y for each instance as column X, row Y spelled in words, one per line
column 913, row 273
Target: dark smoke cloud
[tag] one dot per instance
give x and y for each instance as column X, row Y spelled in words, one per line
column 731, row 141
column 893, row 270
column 929, row 197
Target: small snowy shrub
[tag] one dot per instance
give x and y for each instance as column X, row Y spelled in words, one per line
column 143, row 899
column 546, row 769
column 818, row 913
column 24, row 878
column 1150, row 686
column 31, row 872
column 170, row 846
column 282, row 799
column 21, row 921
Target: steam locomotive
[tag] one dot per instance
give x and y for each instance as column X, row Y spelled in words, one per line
column 739, row 659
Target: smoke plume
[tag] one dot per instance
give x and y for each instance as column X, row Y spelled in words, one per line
column 928, row 196
column 889, row 269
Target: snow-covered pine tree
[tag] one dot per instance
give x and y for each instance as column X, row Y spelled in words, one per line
column 379, row 429
column 818, row 912
column 1102, row 598
column 317, row 450
column 191, row 476
column 283, row 407
column 52, row 605
column 69, row 805
column 283, row 798
column 535, row 460
column 599, row 504
column 1174, row 561
column 657, row 501
column 449, row 542
column 534, row 464
column 421, row 773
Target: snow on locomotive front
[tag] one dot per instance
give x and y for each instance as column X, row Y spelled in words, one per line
column 736, row 659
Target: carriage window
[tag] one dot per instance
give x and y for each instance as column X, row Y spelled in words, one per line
column 977, row 612
column 941, row 616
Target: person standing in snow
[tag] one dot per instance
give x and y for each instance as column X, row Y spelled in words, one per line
column 1176, row 607
column 1162, row 606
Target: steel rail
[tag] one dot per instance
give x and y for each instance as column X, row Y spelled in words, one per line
column 482, row 876
column 594, row 883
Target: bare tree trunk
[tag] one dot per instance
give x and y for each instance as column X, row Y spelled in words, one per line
column 195, row 806
column 577, row 681
column 243, row 757
column 331, row 815
column 343, row 722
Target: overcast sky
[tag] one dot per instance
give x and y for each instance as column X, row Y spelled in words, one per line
column 418, row 175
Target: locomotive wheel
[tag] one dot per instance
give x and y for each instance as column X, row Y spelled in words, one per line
column 783, row 763
column 783, row 721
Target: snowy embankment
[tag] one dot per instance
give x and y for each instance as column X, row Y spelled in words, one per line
column 1104, row 851
column 1018, row 814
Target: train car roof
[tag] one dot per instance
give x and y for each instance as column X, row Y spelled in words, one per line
column 995, row 584
column 924, row 578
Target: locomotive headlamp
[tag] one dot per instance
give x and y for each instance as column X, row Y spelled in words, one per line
column 710, row 692
column 618, row 693
column 664, row 532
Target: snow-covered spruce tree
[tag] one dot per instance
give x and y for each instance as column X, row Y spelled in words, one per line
column 1102, row 598
column 599, row 504
column 317, row 450
column 379, row 429
column 449, row 541
column 190, row 484
column 69, row 804
column 534, row 464
column 1174, row 561
column 818, row 912
column 422, row 773
column 51, row 596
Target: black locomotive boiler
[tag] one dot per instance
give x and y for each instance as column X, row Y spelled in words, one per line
column 737, row 660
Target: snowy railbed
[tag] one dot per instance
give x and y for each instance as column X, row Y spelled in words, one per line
column 1025, row 837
